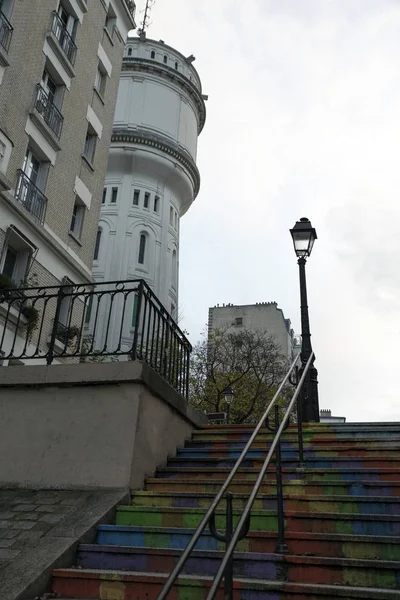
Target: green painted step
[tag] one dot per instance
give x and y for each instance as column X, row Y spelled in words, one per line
column 263, row 520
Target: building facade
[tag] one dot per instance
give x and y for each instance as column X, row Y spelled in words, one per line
column 152, row 177
column 262, row 316
column 59, row 73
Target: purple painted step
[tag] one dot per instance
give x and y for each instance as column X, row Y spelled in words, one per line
column 275, row 567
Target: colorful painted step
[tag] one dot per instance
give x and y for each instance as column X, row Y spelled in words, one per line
column 301, row 543
column 342, row 515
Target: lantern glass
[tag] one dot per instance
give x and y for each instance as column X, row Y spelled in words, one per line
column 228, row 395
column 304, row 236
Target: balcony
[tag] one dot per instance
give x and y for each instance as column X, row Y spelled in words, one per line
column 32, row 199
column 131, row 6
column 5, row 32
column 64, row 39
column 48, row 110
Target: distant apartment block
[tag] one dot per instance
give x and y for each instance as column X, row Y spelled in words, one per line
column 60, row 62
column 265, row 316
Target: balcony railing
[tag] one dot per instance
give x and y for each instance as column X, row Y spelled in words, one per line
column 48, row 110
column 5, row 32
column 64, row 38
column 31, row 197
column 131, row 6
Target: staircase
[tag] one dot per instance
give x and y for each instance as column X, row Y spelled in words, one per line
column 342, row 516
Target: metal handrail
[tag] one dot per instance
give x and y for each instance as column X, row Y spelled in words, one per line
column 207, row 517
column 245, row 515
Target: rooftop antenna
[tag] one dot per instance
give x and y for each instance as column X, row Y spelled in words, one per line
column 145, row 24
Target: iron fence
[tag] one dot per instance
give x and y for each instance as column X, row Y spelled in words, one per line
column 6, row 31
column 30, row 196
column 111, row 321
column 48, row 110
column 64, row 38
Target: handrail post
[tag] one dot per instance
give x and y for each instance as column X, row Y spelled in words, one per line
column 281, row 547
column 228, row 578
column 50, row 354
column 300, row 424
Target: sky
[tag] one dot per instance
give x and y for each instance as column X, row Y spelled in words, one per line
column 303, row 120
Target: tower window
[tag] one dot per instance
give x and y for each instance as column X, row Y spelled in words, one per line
column 142, row 248
column 176, row 220
column 146, row 200
column 114, row 195
column 165, row 59
column 153, row 54
column 97, row 245
column 136, row 196
column 176, row 66
column 171, row 215
column 156, row 204
column 129, row 51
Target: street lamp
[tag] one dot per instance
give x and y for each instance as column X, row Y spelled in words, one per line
column 304, row 236
column 228, row 395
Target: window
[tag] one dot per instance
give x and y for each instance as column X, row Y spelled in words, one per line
column 176, row 220
column 114, row 195
column 136, row 196
column 64, row 29
column 31, row 182
column 101, row 80
column 49, row 86
column 153, row 54
column 103, row 200
column 238, row 321
column 129, row 51
column 174, row 269
column 90, row 145
column 156, row 204
column 171, row 215
column 48, row 102
column 78, row 215
column 97, row 245
column 16, row 255
column 142, row 248
column 165, row 59
column 111, row 20
column 146, row 200
column 176, row 66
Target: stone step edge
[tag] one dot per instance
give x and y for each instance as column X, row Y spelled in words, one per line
column 293, row 483
column 261, row 459
column 264, row 513
column 290, row 535
column 267, row 556
column 303, row 497
column 284, row 470
column 262, row 585
column 307, row 448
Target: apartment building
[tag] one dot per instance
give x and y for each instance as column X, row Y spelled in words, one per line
column 60, row 62
column 262, row 316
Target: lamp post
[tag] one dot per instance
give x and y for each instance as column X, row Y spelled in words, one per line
column 304, row 236
column 228, row 395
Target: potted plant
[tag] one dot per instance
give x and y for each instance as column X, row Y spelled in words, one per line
column 31, row 314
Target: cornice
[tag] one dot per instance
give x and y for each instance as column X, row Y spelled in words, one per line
column 131, row 63
column 143, row 138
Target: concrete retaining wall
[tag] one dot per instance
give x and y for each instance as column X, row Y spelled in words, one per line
column 88, row 425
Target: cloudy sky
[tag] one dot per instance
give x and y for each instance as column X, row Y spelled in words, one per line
column 303, row 120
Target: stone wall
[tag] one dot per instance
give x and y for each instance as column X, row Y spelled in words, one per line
column 88, row 425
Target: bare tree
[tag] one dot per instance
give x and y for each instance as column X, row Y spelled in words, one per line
column 249, row 361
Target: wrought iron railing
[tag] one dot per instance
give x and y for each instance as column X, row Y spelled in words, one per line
column 233, row 535
column 112, row 321
column 5, row 32
column 48, row 110
column 30, row 196
column 64, row 38
column 131, row 6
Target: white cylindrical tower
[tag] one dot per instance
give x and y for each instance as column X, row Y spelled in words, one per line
column 152, row 177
